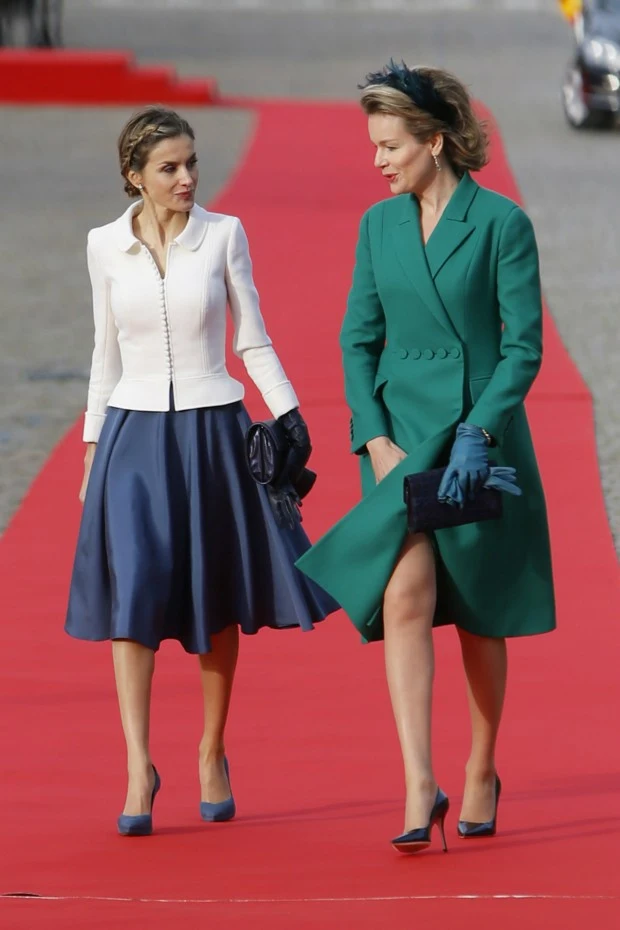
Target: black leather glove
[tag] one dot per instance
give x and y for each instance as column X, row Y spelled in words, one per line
column 285, row 504
column 284, row 499
column 298, row 437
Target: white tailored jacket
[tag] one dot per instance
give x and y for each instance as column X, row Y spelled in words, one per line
column 153, row 332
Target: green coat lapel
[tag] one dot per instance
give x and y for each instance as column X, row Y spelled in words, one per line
column 453, row 228
column 412, row 257
column 422, row 264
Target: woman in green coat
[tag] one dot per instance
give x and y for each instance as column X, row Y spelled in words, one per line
column 441, row 342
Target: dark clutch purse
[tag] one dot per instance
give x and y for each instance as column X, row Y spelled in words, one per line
column 273, row 462
column 426, row 514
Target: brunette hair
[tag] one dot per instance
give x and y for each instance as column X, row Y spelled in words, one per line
column 142, row 133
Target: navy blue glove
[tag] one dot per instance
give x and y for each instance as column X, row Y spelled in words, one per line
column 503, row 478
column 468, row 469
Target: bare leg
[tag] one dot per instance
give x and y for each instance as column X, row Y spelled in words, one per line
column 217, row 672
column 485, row 662
column 408, row 609
column 133, row 668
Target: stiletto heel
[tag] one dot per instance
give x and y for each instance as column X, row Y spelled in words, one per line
column 222, row 810
column 442, row 830
column 468, row 830
column 415, row 840
column 139, row 824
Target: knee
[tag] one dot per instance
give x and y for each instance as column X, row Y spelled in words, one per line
column 409, row 602
column 411, row 591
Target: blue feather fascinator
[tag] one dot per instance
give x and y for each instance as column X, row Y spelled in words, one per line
column 417, row 85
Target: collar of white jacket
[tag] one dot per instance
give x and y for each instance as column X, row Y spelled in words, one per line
column 190, row 238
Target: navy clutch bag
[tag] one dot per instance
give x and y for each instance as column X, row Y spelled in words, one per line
column 426, row 514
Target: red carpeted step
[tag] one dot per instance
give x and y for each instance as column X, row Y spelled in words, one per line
column 160, row 84
column 53, row 76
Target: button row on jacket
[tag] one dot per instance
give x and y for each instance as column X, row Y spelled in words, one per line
column 164, row 313
column 428, row 354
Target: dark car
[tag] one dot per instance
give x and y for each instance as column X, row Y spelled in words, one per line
column 38, row 21
column 591, row 89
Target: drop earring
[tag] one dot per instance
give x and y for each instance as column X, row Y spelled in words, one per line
column 436, row 160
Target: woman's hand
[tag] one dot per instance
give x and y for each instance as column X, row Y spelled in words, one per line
column 468, row 467
column 384, row 456
column 88, row 464
column 298, row 438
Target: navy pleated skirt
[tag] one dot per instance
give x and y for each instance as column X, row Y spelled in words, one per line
column 177, row 541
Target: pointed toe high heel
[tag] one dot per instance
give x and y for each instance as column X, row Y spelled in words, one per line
column 222, row 810
column 469, row 830
column 416, row 840
column 139, row 824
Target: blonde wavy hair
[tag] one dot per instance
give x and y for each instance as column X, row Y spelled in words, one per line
column 465, row 138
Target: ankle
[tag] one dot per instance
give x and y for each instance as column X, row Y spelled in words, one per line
column 421, row 784
column 210, row 754
column 138, row 767
column 481, row 770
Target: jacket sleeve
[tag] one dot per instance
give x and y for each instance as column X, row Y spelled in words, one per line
column 106, row 369
column 362, row 340
column 520, row 306
column 250, row 341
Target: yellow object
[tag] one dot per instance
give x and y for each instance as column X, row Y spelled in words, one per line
column 571, row 8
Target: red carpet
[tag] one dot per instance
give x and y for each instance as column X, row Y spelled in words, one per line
column 315, row 762
column 67, row 77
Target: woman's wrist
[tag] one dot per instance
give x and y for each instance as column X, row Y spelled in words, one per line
column 377, row 442
column 490, row 441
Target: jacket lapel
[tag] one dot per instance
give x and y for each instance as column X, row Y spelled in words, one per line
column 421, row 264
column 453, row 228
column 412, row 257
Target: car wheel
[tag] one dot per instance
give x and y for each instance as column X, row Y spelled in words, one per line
column 576, row 111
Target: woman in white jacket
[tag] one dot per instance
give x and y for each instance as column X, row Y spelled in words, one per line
column 177, row 541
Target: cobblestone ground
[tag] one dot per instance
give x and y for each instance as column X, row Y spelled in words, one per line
column 58, row 177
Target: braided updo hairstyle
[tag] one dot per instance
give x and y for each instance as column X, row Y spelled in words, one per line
column 146, row 129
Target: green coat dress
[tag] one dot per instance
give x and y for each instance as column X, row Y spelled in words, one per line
column 435, row 335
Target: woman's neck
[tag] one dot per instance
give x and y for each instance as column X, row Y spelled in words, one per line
column 435, row 196
column 157, row 224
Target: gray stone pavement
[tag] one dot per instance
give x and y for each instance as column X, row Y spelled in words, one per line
column 58, row 169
